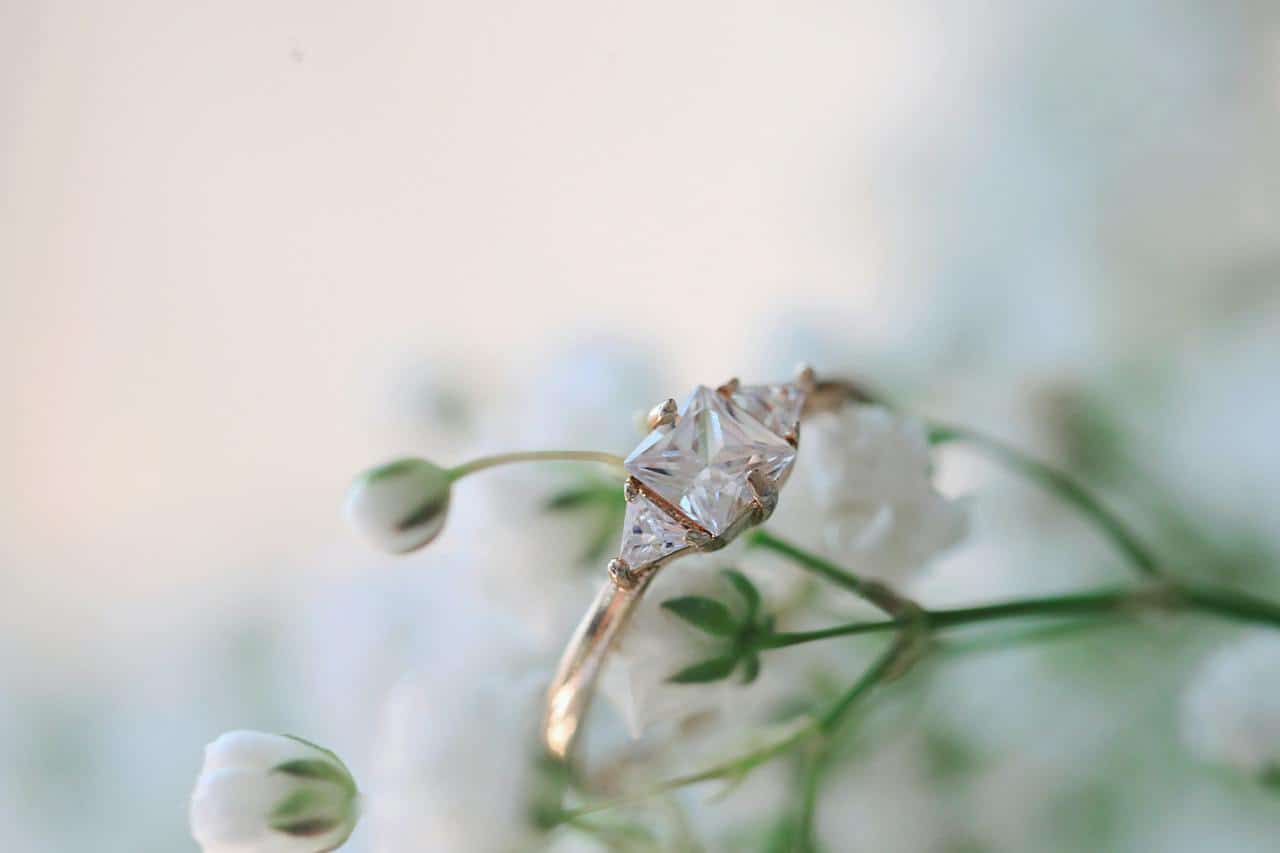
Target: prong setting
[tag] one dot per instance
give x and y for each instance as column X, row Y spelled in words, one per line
column 806, row 379
column 630, row 489
column 663, row 415
column 621, row 572
column 699, row 539
column 729, row 388
column 764, row 493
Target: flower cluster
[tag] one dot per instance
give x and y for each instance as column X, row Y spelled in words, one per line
column 861, row 518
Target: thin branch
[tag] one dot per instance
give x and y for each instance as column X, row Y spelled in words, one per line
column 823, row 724
column 612, row 460
column 869, row 590
column 1225, row 604
column 1061, row 484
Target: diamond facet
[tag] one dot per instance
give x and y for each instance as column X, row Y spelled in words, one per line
column 701, row 464
column 649, row 534
column 776, row 406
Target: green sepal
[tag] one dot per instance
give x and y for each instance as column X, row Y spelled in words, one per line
column 295, row 805
column 308, row 826
column 315, row 768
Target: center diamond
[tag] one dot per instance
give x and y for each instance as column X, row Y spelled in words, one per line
column 701, row 464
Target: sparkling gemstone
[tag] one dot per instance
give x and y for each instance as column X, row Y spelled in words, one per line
column 649, row 533
column 701, row 464
column 776, row 406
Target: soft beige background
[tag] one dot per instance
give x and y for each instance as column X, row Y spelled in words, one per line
column 245, row 248
column 228, row 227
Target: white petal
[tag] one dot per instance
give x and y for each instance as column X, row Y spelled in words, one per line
column 256, row 750
column 231, row 806
column 1231, row 710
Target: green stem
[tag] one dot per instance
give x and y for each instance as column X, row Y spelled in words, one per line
column 1226, row 604
column 1004, row 640
column 1060, row 484
column 460, row 471
column 830, row 720
column 814, row 765
column 821, row 725
column 838, row 575
column 871, row 590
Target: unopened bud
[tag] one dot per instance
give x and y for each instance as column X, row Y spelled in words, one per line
column 400, row 506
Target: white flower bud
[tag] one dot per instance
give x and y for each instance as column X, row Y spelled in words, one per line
column 1231, row 709
column 263, row 793
column 400, row 506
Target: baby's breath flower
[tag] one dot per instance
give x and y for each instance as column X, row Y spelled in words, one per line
column 869, row 472
column 1231, row 709
column 400, row 506
column 264, row 793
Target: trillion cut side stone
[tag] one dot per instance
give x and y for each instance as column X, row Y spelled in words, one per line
column 649, row 534
column 701, row 464
column 776, row 406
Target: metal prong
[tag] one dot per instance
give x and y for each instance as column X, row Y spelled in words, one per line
column 729, row 388
column 663, row 414
column 699, row 539
column 764, row 492
column 630, row 489
column 620, row 571
column 806, row 379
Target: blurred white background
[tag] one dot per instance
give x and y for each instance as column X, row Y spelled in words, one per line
column 247, row 249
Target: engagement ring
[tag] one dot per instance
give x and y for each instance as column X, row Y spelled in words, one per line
column 707, row 470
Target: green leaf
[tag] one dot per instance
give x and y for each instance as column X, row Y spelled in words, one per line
column 703, row 613
column 713, row 669
column 747, row 590
column 1270, row 777
column 939, row 434
column 750, row 668
column 572, row 498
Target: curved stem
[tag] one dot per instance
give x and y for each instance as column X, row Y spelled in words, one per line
column 870, row 590
column 821, row 725
column 480, row 464
column 1226, row 604
column 811, row 777
column 1060, row 484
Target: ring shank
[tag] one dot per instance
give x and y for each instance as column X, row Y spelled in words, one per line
column 571, row 690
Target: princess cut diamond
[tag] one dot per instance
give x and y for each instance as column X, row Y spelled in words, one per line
column 701, row 464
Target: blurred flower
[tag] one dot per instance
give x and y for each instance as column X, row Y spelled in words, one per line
column 452, row 769
column 400, row 506
column 264, row 793
column 658, row 643
column 1231, row 709
column 869, row 473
